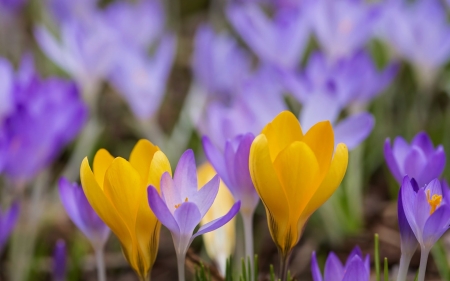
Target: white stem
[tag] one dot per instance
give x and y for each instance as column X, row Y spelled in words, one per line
column 100, row 260
column 423, row 264
column 181, row 257
column 404, row 266
column 247, row 219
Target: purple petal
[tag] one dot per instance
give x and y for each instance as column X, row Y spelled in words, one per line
column 161, row 210
column 414, row 163
column 229, row 155
column 391, row 161
column 407, row 237
column 400, row 150
column 354, row 129
column 436, row 225
column 185, row 177
column 59, row 261
column 334, row 270
column 170, row 192
column 434, row 187
column 356, row 271
column 205, row 197
column 319, row 107
column 219, row 222
column 423, row 141
column 188, row 217
column 216, row 159
column 355, row 252
column 434, row 167
column 421, row 213
column 7, row 223
column 315, row 270
column 408, row 202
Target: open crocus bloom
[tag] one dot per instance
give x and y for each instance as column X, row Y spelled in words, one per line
column 181, row 205
column 294, row 174
column 357, row 267
column 116, row 190
column 426, row 211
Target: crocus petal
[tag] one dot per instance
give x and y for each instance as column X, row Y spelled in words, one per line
column 10, row 220
column 160, row 210
column 319, row 107
column 160, row 165
column 315, row 270
column 215, row 158
column 423, row 141
column 320, row 139
column 356, row 270
column 102, row 161
column 185, row 176
column 169, row 193
column 354, row 129
column 281, row 132
column 408, row 202
column 334, row 270
column 436, row 225
column 205, row 197
column 434, row 167
column 215, row 224
column 400, row 149
column 391, row 161
column 414, row 163
column 421, row 212
column 141, row 157
column 408, row 239
column 103, row 206
column 68, row 195
column 122, row 187
column 188, row 217
column 51, row 47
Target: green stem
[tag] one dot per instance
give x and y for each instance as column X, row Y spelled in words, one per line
column 377, row 258
column 423, row 264
column 403, row 268
column 386, row 270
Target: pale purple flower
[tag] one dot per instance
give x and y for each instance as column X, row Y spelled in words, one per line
column 280, row 40
column 408, row 239
column 356, row 268
column 59, row 261
column 343, row 27
column 8, row 220
column 181, row 205
column 67, row 10
column 419, row 160
column 142, row 80
column 12, row 5
column 81, row 213
column 426, row 211
column 218, row 63
column 48, row 108
column 419, row 31
column 233, row 168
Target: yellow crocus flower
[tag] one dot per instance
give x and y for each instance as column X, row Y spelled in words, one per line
column 219, row 243
column 117, row 191
column 294, row 174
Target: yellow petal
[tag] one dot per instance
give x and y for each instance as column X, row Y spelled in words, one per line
column 281, row 132
column 269, row 189
column 141, row 157
column 124, row 188
column 331, row 182
column 160, row 164
column 320, row 138
column 297, row 170
column 102, row 160
column 102, row 206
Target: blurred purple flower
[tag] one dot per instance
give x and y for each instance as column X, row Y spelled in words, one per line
column 182, row 205
column 12, row 5
column 218, row 63
column 8, row 220
column 86, row 50
column 258, row 101
column 426, row 211
column 142, row 81
column 408, row 239
column 357, row 267
column 280, row 41
column 420, row 32
column 67, row 10
column 81, row 213
column 48, row 108
column 233, row 168
column 124, row 17
column 420, row 160
column 343, row 27
column 59, row 261
column 6, row 88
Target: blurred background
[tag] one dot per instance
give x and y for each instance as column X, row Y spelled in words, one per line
column 76, row 76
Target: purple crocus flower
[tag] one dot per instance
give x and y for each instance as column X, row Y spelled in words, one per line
column 343, row 27
column 218, row 63
column 49, row 108
column 64, row 10
column 419, row 160
column 419, row 32
column 280, row 41
column 142, row 80
column 12, row 5
column 59, row 261
column 357, row 267
column 82, row 215
column 182, row 205
column 6, row 88
column 8, row 220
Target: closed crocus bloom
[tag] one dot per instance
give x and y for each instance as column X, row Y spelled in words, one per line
column 59, row 261
column 357, row 267
column 419, row 160
column 116, row 189
column 294, row 174
column 219, row 243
